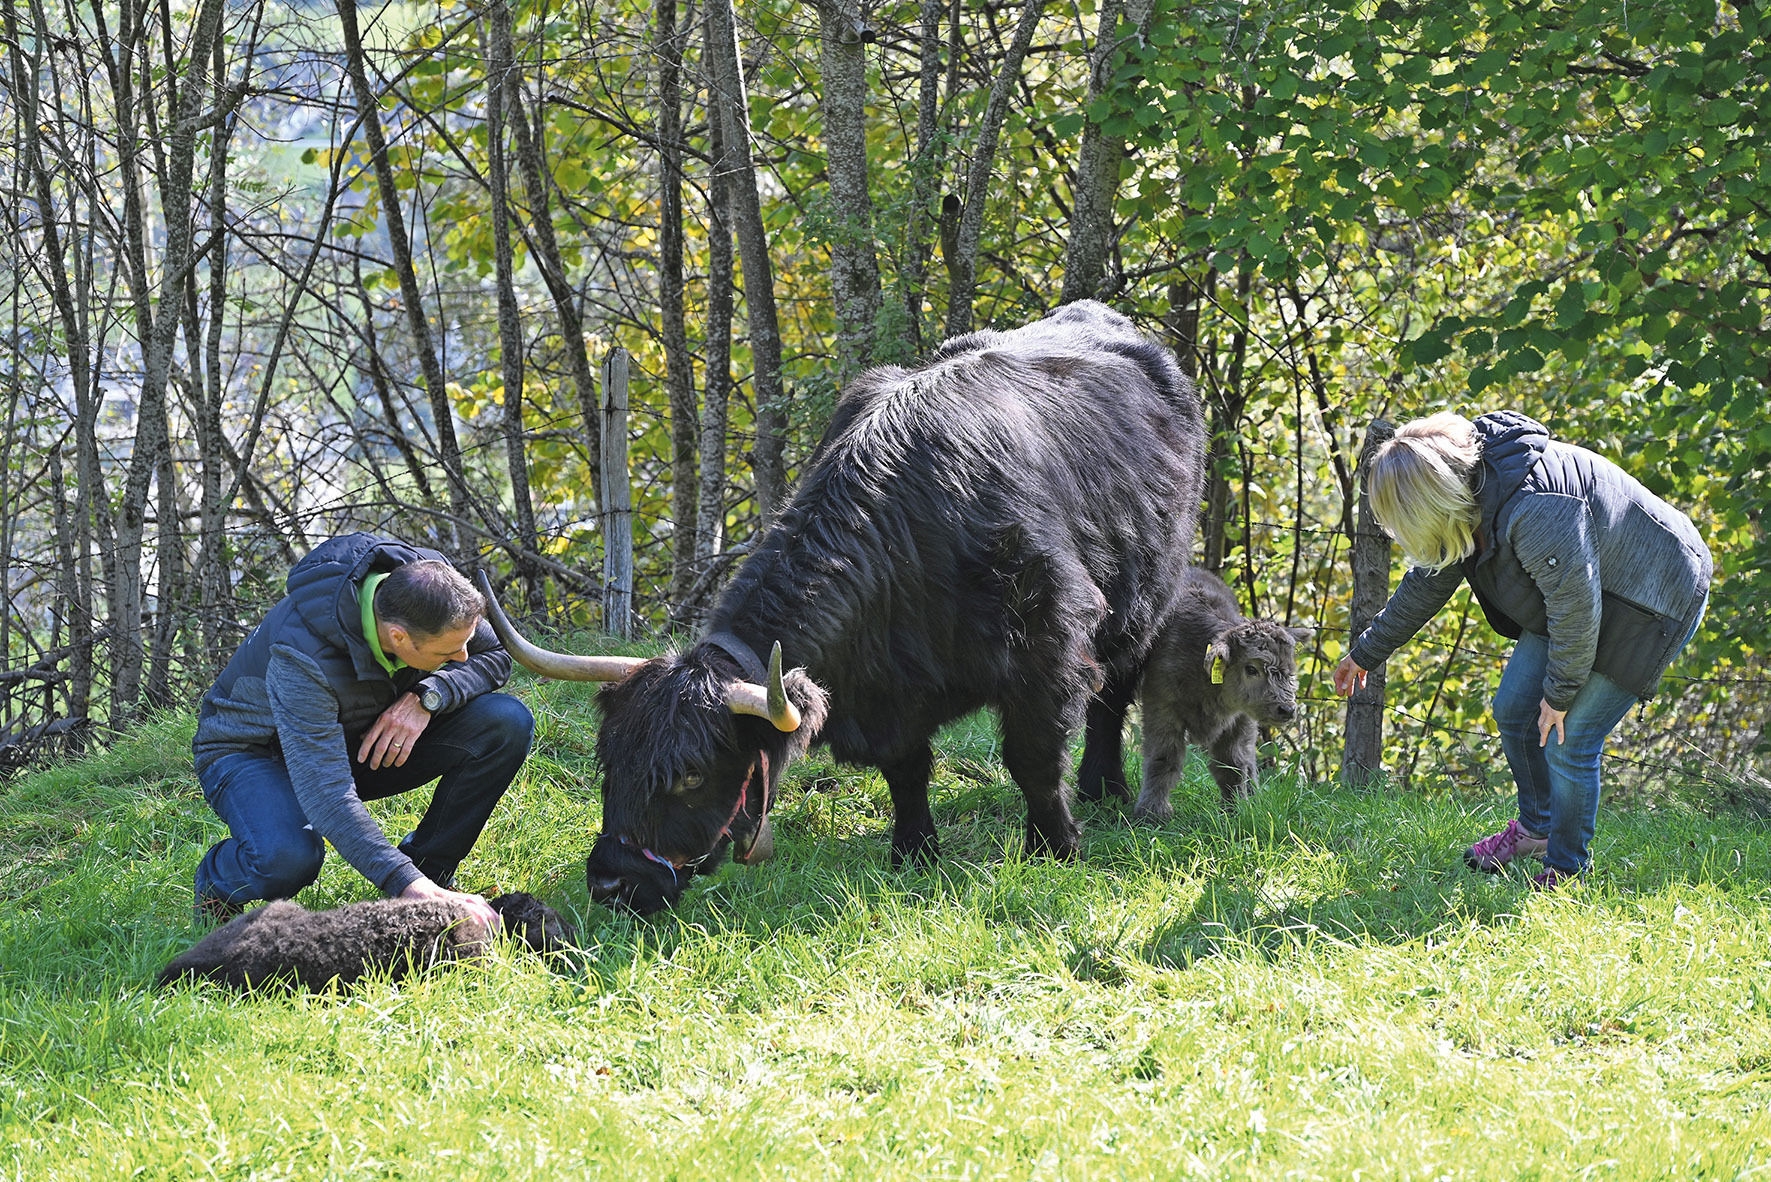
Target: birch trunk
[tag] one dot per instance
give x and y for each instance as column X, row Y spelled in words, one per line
column 854, row 267
column 1095, row 182
column 417, row 320
column 500, row 74
column 732, row 109
column 710, row 513
column 679, row 368
column 968, row 226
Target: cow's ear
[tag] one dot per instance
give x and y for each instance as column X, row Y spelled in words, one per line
column 1301, row 634
column 1215, row 655
column 814, row 708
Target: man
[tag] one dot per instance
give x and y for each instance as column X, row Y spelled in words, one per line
column 372, row 676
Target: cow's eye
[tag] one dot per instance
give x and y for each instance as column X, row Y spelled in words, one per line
column 687, row 782
column 1252, row 670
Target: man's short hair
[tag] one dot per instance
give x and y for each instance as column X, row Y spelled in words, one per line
column 427, row 598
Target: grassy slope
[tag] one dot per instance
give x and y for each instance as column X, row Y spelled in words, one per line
column 1311, row 987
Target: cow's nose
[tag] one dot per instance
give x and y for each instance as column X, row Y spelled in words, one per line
column 1287, row 710
column 604, row 888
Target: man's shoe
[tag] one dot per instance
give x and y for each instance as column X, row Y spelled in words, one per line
column 1491, row 853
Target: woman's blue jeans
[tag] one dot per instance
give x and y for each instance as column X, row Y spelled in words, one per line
column 272, row 852
column 1559, row 782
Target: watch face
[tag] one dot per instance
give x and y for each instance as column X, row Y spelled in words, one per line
column 430, row 700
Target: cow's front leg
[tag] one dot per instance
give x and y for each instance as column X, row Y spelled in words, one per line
column 913, row 826
column 1165, row 752
column 1233, row 762
column 1102, row 773
column 1034, row 752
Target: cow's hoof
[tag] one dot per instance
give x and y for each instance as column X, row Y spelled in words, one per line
column 1153, row 814
column 924, row 853
column 1064, row 845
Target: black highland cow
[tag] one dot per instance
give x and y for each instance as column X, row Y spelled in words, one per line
column 1004, row 526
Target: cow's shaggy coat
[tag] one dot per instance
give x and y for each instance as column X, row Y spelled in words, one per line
column 1004, row 526
column 284, row 943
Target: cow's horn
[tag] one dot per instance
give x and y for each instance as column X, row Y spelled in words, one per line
column 563, row 666
column 770, row 701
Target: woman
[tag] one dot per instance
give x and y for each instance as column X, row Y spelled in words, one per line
column 1599, row 580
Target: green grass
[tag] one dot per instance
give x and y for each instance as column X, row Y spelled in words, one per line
column 1312, row 987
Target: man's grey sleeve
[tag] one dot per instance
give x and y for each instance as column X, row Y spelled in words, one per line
column 306, row 713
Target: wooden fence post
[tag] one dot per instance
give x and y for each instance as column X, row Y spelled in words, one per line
column 1363, row 756
column 617, row 500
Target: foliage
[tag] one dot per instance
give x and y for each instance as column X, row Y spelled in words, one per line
column 1337, row 212
column 1558, row 207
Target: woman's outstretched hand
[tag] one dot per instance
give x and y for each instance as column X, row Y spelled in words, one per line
column 1348, row 677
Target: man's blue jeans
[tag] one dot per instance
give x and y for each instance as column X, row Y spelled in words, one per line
column 272, row 852
column 1559, row 782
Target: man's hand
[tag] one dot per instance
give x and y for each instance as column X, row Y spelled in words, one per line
column 391, row 739
column 479, row 911
column 1549, row 719
column 1348, row 677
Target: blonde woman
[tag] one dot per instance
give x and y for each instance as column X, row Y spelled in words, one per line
column 1599, row 581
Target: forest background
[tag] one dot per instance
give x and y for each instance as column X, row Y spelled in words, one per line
column 277, row 270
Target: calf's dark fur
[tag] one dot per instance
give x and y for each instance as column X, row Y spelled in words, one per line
column 284, row 943
column 1213, row 677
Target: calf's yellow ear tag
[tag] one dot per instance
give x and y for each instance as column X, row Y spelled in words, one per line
column 1217, row 671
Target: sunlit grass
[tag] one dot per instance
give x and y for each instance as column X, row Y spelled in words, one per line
column 1310, row 987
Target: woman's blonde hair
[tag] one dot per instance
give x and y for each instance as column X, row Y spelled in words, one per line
column 1419, row 485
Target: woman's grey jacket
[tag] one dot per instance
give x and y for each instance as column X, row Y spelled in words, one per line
column 1572, row 548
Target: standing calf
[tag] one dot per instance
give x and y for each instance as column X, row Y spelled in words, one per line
column 1213, row 677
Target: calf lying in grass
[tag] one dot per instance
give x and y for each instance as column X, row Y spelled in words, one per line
column 285, row 943
column 1215, row 678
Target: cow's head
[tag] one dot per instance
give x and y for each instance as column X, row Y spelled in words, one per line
column 691, row 752
column 1255, row 664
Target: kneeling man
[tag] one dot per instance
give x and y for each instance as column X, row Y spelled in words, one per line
column 372, row 676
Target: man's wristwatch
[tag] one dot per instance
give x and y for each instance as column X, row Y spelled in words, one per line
column 431, row 698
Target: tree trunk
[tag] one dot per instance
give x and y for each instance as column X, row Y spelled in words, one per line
column 172, row 584
column 1095, row 183
column 160, row 329
column 550, row 261
column 854, row 267
column 711, row 512
column 76, row 538
column 925, row 168
column 679, row 367
column 500, row 71
column 213, row 590
column 435, row 383
column 731, row 104
column 1362, row 758
column 968, row 227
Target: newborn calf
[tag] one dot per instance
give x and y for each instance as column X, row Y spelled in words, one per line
column 1213, row 677
column 285, row 943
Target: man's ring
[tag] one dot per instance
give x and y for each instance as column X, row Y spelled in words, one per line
column 397, row 743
